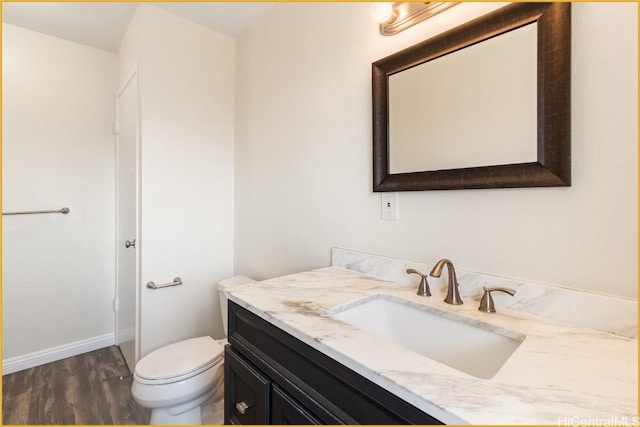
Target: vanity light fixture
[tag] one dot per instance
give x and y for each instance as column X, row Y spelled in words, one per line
column 398, row 16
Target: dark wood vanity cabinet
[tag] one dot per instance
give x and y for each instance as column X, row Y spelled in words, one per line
column 272, row 377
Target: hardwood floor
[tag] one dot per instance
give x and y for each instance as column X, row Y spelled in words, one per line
column 92, row 388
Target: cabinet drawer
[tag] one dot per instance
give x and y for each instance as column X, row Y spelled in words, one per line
column 329, row 390
column 246, row 392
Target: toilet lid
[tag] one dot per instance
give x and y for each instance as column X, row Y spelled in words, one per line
column 179, row 359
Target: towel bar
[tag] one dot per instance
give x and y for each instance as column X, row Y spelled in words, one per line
column 177, row 281
column 62, row 211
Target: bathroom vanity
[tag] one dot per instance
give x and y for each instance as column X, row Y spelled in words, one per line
column 274, row 378
column 292, row 358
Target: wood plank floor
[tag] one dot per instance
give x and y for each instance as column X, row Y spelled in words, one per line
column 92, row 388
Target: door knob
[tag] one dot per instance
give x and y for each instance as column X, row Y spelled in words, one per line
column 128, row 244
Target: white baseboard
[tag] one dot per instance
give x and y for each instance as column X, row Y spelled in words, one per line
column 37, row 358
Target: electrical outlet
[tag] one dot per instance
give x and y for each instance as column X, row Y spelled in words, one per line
column 389, row 206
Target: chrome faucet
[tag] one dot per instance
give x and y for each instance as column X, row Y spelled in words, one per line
column 453, row 295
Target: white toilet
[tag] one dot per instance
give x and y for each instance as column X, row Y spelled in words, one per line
column 176, row 380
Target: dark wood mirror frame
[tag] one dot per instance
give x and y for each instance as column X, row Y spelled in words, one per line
column 553, row 165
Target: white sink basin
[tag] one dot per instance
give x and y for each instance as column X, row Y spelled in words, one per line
column 464, row 344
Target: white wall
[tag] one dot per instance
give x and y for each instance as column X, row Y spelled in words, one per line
column 57, row 150
column 304, row 163
column 186, row 81
column 303, row 169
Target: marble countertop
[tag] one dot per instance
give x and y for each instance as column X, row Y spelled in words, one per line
column 560, row 374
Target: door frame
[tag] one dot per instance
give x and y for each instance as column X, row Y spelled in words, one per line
column 133, row 76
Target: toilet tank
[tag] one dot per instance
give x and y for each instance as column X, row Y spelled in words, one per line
column 226, row 284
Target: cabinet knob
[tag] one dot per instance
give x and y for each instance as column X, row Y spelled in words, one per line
column 242, row 407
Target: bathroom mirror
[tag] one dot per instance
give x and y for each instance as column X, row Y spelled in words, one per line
column 484, row 105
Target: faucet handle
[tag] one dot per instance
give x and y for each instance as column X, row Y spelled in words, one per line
column 423, row 288
column 486, row 303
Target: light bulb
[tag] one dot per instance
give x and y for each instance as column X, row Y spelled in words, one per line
column 381, row 12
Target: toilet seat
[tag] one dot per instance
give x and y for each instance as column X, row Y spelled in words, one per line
column 179, row 361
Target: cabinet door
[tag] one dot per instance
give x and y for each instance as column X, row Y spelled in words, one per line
column 246, row 391
column 286, row 411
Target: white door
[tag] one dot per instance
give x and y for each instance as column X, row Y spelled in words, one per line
column 127, row 236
